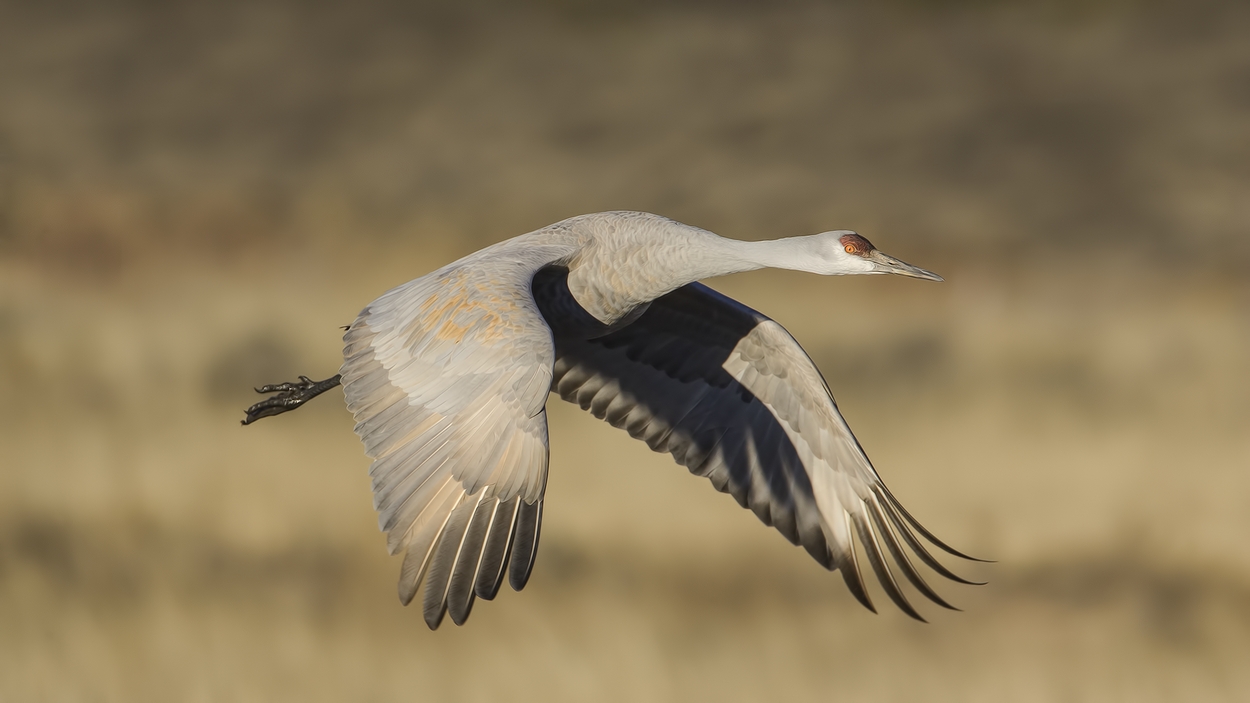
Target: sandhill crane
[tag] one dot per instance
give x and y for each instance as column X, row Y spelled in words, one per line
column 448, row 376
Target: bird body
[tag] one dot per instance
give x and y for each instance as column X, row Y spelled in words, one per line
column 447, row 377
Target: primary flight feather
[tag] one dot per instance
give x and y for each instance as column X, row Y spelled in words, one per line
column 448, row 376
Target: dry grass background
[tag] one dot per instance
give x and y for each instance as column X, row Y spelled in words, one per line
column 194, row 195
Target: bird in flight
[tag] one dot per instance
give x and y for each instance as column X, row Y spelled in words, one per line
column 447, row 377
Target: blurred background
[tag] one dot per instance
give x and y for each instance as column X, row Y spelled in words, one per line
column 194, row 196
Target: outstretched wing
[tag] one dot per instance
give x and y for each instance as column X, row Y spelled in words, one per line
column 447, row 377
column 731, row 395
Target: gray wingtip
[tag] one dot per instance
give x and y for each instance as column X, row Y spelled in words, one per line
column 872, row 547
column 848, row 564
column 925, row 532
column 434, row 615
column 460, row 614
column 525, row 543
column 406, row 593
column 855, row 584
column 901, row 559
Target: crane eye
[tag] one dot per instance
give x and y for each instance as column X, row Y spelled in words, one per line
column 850, row 248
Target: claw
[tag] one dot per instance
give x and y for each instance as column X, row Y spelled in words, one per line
column 289, row 396
column 304, row 383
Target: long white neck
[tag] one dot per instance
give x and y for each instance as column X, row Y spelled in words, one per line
column 621, row 271
column 721, row 256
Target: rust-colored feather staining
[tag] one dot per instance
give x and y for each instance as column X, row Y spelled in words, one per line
column 469, row 306
column 857, row 245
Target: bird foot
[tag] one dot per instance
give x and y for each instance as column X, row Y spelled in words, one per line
column 289, row 396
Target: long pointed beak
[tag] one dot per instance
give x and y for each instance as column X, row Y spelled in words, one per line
column 888, row 264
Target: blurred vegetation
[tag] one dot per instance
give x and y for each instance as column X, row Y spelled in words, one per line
column 194, row 195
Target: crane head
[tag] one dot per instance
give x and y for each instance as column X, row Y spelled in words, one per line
column 847, row 252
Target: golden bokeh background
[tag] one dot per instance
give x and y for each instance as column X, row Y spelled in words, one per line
column 194, row 196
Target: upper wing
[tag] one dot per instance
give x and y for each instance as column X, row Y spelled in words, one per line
column 447, row 377
column 731, row 395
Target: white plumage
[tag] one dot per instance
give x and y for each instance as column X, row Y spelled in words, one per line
column 448, row 376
